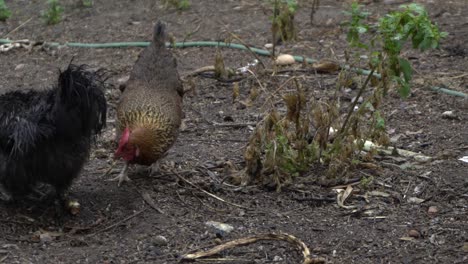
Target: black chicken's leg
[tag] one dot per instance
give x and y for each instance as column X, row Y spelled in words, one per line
column 5, row 194
column 59, row 203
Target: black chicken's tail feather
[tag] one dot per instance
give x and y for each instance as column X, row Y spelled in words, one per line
column 80, row 102
column 160, row 34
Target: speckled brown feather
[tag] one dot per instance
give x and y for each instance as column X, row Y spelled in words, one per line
column 151, row 104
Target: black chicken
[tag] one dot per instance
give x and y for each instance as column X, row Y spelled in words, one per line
column 45, row 136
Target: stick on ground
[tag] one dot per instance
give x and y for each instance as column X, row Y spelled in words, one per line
column 249, row 240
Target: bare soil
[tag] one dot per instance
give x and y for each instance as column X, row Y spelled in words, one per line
column 118, row 225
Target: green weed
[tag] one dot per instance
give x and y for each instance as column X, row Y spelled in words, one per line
column 5, row 13
column 178, row 4
column 53, row 14
column 87, row 3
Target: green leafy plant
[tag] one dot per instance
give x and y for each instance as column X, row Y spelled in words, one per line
column 383, row 45
column 410, row 24
column 53, row 14
column 283, row 27
column 5, row 13
column 179, row 4
column 87, row 3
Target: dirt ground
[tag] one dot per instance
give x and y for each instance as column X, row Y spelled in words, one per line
column 118, row 225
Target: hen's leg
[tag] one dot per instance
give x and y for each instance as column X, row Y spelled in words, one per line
column 122, row 176
column 155, row 167
column 5, row 194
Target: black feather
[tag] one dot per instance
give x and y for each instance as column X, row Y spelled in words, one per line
column 45, row 136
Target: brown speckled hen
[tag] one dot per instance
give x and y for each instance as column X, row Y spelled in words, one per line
column 150, row 109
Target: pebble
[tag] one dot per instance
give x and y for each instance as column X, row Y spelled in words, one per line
column 277, row 259
column 19, row 67
column 268, row 46
column 449, row 115
column 221, row 228
column 159, row 241
column 433, row 210
column 45, row 237
column 414, row 233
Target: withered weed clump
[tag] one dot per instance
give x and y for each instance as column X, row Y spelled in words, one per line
column 286, row 145
column 282, row 20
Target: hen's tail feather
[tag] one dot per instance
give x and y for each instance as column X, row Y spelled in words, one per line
column 160, row 34
column 80, row 98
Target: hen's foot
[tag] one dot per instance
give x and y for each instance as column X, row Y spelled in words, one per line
column 122, row 176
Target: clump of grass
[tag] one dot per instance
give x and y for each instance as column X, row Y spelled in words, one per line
column 178, row 4
column 5, row 13
column 53, row 14
column 282, row 22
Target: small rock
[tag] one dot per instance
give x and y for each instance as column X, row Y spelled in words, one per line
column 19, row 67
column 414, row 233
column 45, row 237
column 433, row 210
column 449, row 115
column 159, row 241
column 277, row 259
column 268, row 46
column 221, row 228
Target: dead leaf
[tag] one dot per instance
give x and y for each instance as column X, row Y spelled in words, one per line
column 326, row 66
column 465, row 247
column 343, row 195
column 415, row 200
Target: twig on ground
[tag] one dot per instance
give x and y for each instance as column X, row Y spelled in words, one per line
column 234, row 124
column 119, row 222
column 249, row 240
column 208, row 193
column 210, row 68
column 4, row 258
column 18, row 27
column 150, row 201
column 108, row 171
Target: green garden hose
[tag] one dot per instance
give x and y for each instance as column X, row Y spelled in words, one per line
column 261, row 52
